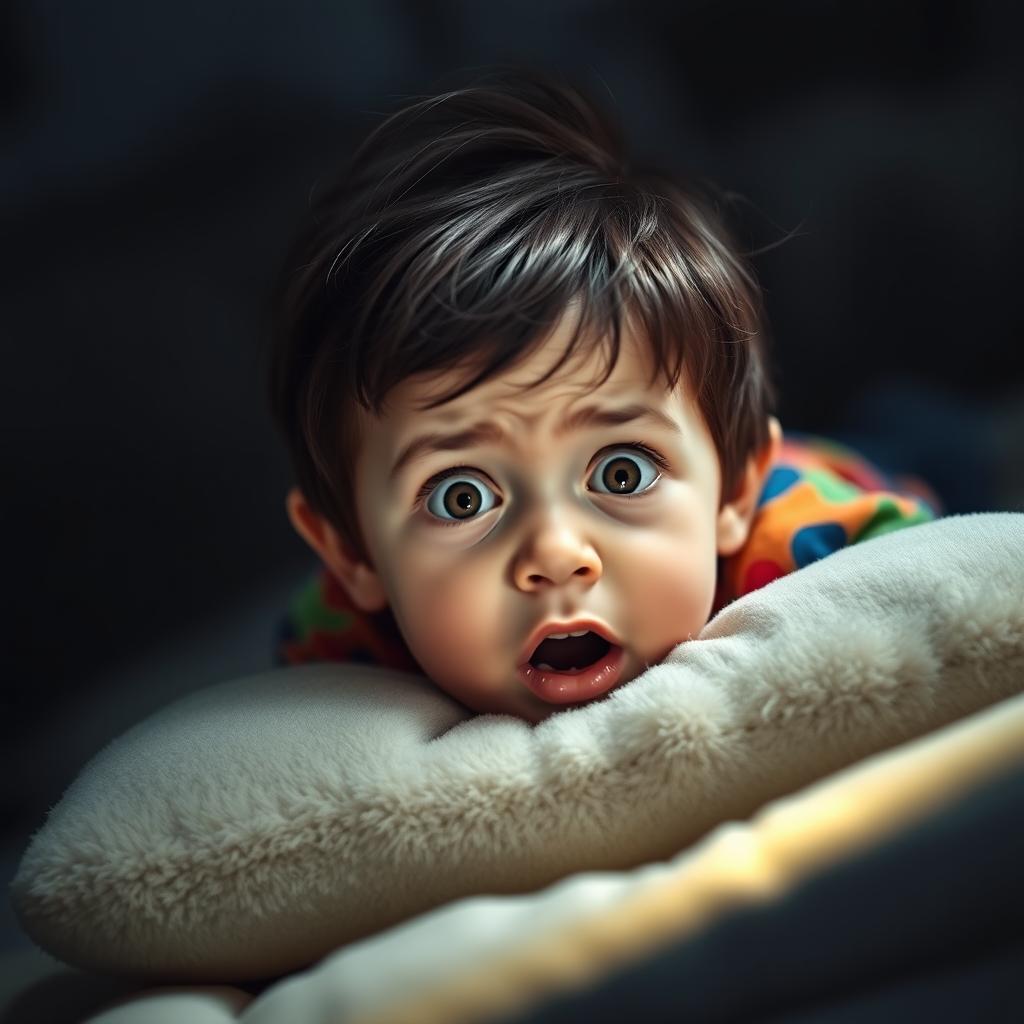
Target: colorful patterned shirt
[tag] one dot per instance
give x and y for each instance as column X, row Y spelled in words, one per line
column 819, row 496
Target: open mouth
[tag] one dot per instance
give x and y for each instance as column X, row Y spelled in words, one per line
column 573, row 669
column 572, row 654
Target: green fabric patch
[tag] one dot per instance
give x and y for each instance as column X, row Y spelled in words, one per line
column 888, row 518
column 308, row 612
column 830, row 486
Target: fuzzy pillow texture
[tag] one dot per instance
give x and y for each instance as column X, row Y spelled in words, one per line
column 252, row 828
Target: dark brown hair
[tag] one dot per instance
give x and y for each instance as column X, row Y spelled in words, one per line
column 461, row 230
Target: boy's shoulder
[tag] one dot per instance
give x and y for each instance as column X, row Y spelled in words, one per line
column 819, row 496
column 321, row 624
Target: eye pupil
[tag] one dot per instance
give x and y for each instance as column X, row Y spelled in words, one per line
column 461, row 498
column 621, row 475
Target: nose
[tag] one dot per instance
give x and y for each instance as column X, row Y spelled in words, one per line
column 553, row 555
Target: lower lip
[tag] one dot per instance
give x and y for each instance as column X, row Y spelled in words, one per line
column 573, row 687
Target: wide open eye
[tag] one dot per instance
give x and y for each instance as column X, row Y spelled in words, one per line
column 627, row 474
column 460, row 497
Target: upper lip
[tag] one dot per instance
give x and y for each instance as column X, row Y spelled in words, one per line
column 547, row 628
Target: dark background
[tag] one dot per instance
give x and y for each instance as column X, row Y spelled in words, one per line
column 156, row 159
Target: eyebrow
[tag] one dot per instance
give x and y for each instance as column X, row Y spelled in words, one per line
column 487, row 432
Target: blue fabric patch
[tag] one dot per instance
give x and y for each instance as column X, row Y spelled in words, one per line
column 814, row 542
column 780, row 479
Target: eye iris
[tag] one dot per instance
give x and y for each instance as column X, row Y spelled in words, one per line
column 461, row 500
column 621, row 475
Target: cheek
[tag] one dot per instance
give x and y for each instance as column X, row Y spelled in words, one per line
column 671, row 587
column 449, row 616
column 686, row 587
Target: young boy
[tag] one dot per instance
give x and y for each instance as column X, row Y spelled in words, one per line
column 524, row 391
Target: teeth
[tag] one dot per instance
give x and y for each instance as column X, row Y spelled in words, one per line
column 582, row 632
column 545, row 667
column 564, row 636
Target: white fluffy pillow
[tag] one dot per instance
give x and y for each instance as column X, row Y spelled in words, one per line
column 252, row 828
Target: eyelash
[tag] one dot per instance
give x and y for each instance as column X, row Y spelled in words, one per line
column 424, row 492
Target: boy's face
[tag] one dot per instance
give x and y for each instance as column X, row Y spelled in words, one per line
column 530, row 531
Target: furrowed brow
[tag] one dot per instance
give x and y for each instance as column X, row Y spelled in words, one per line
column 486, row 432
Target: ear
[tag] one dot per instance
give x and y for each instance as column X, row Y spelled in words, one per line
column 361, row 583
column 736, row 515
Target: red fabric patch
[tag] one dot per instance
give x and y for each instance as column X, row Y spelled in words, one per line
column 760, row 574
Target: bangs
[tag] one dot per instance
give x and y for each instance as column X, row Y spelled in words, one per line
column 478, row 284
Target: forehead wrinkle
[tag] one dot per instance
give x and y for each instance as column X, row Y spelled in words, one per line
column 490, row 432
